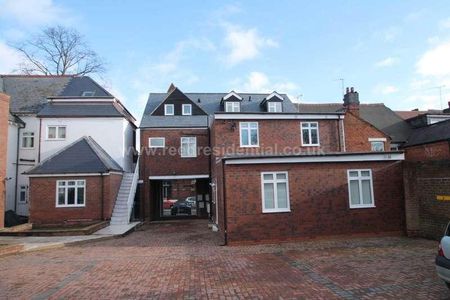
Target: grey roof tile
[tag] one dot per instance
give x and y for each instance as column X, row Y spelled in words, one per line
column 78, row 85
column 432, row 133
column 82, row 156
column 79, row 110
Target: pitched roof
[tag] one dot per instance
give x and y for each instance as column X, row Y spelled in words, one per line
column 29, row 93
column 406, row 115
column 378, row 115
column 429, row 134
column 82, row 156
column 210, row 103
column 78, row 85
column 79, row 110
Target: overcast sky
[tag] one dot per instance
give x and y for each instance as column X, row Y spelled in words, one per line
column 394, row 52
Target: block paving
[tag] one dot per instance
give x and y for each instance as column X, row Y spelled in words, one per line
column 184, row 260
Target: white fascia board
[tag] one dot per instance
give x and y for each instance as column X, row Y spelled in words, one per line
column 377, row 139
column 278, row 116
column 274, row 94
column 71, row 175
column 173, row 177
column 319, row 159
column 232, row 93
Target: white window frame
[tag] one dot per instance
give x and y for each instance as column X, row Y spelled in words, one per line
column 88, row 94
column 249, row 129
column 274, row 181
column 232, row 106
column 27, row 135
column 377, row 140
column 190, row 109
column 57, row 128
column 184, row 140
column 308, row 124
column 166, row 106
column 359, row 179
column 157, row 138
column 23, row 188
column 273, row 107
column 76, row 186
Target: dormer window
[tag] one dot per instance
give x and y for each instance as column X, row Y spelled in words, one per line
column 88, row 94
column 232, row 106
column 274, row 107
column 187, row 109
column 169, row 109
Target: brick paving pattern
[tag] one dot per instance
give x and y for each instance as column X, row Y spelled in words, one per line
column 184, row 260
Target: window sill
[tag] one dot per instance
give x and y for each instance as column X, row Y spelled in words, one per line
column 362, row 206
column 188, row 156
column 250, row 146
column 70, row 206
column 276, row 211
column 55, row 140
column 310, row 145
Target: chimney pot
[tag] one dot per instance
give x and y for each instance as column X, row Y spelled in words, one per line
column 347, row 90
column 352, row 89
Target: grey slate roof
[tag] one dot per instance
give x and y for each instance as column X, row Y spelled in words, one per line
column 429, row 134
column 378, row 115
column 29, row 93
column 210, row 103
column 79, row 110
column 82, row 156
column 15, row 119
column 78, row 85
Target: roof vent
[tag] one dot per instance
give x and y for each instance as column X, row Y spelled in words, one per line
column 198, row 100
column 249, row 98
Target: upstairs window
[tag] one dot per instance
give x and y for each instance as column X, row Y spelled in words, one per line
column 189, row 146
column 169, row 109
column 274, row 107
column 377, row 144
column 310, row 133
column 27, row 140
column 187, row 109
column 360, row 188
column 70, row 193
column 275, row 192
column 157, row 142
column 249, row 134
column 88, row 94
column 232, row 106
column 23, row 194
column 56, row 132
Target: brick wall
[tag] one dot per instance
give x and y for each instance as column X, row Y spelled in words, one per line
column 319, row 202
column 4, row 114
column 358, row 132
column 425, row 215
column 433, row 151
column 43, row 208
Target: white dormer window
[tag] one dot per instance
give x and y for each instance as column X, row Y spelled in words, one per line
column 169, row 109
column 232, row 106
column 88, row 94
column 232, row 94
column 274, row 107
column 187, row 109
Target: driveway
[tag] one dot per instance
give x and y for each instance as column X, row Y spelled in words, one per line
column 184, row 260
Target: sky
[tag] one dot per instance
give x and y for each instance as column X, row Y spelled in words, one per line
column 395, row 52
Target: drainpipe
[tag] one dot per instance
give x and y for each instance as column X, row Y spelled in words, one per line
column 39, row 145
column 343, row 134
column 17, row 169
column 103, row 195
column 224, row 204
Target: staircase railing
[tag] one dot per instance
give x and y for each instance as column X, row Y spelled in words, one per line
column 132, row 194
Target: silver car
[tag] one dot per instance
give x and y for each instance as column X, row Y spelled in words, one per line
column 443, row 258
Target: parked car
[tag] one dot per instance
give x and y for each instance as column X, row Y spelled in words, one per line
column 180, row 207
column 191, row 201
column 443, row 257
column 168, row 203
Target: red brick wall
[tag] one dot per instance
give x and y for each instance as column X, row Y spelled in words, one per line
column 358, row 132
column 43, row 208
column 319, row 202
column 434, row 151
column 4, row 113
column 274, row 136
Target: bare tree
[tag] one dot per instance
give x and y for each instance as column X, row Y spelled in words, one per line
column 59, row 51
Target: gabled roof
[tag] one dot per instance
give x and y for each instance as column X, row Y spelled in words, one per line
column 176, row 93
column 82, row 156
column 378, row 115
column 29, row 93
column 429, row 134
column 232, row 96
column 210, row 103
column 271, row 96
column 406, row 115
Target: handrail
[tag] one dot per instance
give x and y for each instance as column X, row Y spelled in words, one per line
column 132, row 193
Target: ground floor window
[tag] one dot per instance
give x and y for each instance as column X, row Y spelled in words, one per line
column 360, row 188
column 275, row 192
column 70, row 193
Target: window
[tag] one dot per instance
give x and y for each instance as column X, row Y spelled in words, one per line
column 70, row 193
column 275, row 192
column 360, row 188
column 23, row 194
column 56, row 132
column 28, row 140
column 187, row 109
column 158, row 142
column 188, row 147
column 310, row 133
column 377, row 144
column 249, row 134
column 169, row 110
column 232, row 106
column 274, row 106
column 88, row 94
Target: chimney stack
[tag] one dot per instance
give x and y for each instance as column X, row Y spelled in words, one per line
column 351, row 100
column 447, row 110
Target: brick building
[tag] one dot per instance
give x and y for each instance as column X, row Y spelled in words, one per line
column 271, row 172
column 4, row 118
